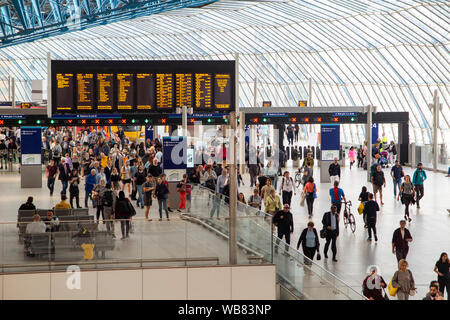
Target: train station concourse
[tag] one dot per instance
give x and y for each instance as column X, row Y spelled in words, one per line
column 268, row 151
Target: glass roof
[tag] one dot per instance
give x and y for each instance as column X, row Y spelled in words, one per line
column 390, row 53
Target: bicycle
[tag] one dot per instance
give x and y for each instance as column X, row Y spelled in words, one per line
column 349, row 218
column 298, row 177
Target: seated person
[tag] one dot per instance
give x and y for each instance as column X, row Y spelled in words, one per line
column 51, row 221
column 28, row 205
column 63, row 204
column 37, row 226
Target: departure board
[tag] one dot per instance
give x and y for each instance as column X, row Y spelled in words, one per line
column 222, row 91
column 105, row 91
column 125, row 91
column 141, row 87
column 164, row 91
column 203, row 91
column 145, row 87
column 183, row 89
column 64, row 92
column 85, row 91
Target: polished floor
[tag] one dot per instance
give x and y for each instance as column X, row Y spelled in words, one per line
column 430, row 225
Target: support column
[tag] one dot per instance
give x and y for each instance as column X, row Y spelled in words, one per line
column 13, row 93
column 369, row 140
column 255, row 90
column 435, row 109
column 310, row 100
column 241, row 142
column 403, row 143
column 233, row 192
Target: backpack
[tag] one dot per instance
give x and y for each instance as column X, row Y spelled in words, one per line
column 108, row 198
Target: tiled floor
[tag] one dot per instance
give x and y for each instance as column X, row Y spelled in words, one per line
column 430, row 226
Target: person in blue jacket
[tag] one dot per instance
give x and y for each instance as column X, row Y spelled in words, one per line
column 89, row 185
column 418, row 178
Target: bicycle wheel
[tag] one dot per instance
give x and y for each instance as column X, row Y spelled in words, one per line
column 297, row 179
column 345, row 222
column 351, row 220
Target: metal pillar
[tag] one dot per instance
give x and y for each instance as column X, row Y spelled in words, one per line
column 13, row 93
column 233, row 191
column 241, row 142
column 49, row 85
column 310, row 100
column 255, row 88
column 9, row 88
column 435, row 109
column 184, row 120
column 369, row 140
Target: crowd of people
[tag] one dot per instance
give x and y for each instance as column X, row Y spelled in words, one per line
column 112, row 168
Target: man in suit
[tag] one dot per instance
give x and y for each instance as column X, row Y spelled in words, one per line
column 400, row 239
column 108, row 170
column 330, row 222
column 64, row 174
column 285, row 226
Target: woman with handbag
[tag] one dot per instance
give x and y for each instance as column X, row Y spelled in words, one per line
column 310, row 190
column 309, row 240
column 373, row 285
column 403, row 281
column 162, row 193
column 407, row 194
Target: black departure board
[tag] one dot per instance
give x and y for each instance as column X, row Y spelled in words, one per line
column 85, row 91
column 105, row 83
column 164, row 91
column 145, row 91
column 64, row 92
column 183, row 89
column 142, row 87
column 203, row 91
column 222, row 91
column 125, row 92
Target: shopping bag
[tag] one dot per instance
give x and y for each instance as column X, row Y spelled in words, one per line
column 302, row 199
column 360, row 208
column 391, row 289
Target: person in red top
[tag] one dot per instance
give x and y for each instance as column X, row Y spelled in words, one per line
column 309, row 189
column 181, row 187
column 51, row 173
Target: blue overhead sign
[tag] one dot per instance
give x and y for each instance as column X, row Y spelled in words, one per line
column 345, row 114
column 30, row 145
column 174, row 153
column 374, row 132
column 149, row 133
column 86, row 116
column 330, row 136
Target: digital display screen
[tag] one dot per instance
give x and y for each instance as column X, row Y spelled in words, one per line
column 125, row 91
column 145, row 87
column 203, row 91
column 105, row 83
column 183, row 89
column 85, row 91
column 222, row 91
column 164, row 91
column 64, row 92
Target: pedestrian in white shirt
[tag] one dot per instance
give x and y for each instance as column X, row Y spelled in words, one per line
column 286, row 188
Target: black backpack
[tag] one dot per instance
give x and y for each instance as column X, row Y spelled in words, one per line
column 108, row 198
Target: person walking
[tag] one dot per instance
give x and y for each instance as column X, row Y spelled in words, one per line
column 337, row 194
column 334, row 170
column 310, row 191
column 330, row 222
column 148, row 187
column 221, row 181
column 403, row 280
column 364, row 197
column 397, row 174
column 378, row 181
column 123, row 212
column 434, row 293
column 352, row 156
column 370, row 211
column 181, row 188
column 89, row 186
column 64, row 173
column 255, row 200
column 272, row 203
column 308, row 162
column 286, row 188
column 400, row 240
column 109, row 200
column 98, row 192
column 139, row 180
column 442, row 267
column 74, row 190
column 52, row 169
column 310, row 242
column 285, row 226
column 162, row 193
column 373, row 285
column 407, row 194
column 418, row 178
